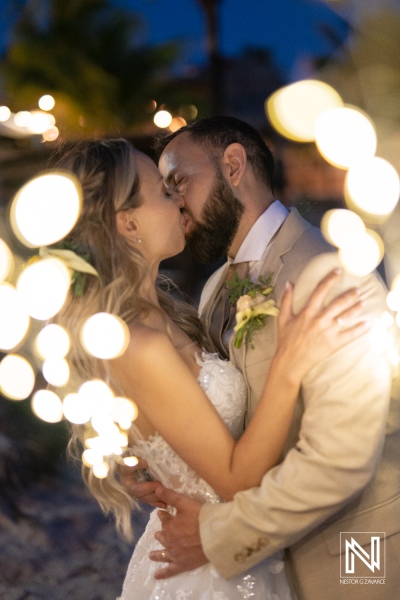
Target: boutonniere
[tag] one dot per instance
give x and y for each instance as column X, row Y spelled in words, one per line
column 253, row 305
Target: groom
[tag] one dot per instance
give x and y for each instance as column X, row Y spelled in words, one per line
column 339, row 471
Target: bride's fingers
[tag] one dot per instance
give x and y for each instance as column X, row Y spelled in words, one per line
column 349, row 334
column 340, row 306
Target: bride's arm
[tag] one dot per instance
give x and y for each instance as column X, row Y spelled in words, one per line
column 155, row 376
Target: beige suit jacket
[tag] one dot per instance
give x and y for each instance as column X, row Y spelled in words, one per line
column 340, row 468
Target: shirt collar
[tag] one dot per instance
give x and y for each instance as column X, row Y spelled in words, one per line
column 262, row 232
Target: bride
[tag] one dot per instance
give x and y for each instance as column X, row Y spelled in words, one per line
column 191, row 403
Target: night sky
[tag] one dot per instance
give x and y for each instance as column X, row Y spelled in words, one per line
column 288, row 27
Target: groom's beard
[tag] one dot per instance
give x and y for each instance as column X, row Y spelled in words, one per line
column 210, row 240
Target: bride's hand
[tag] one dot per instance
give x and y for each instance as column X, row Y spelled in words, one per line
column 304, row 340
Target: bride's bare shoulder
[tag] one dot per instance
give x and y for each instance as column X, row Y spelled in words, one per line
column 146, row 343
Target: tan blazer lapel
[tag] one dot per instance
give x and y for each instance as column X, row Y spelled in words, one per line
column 210, row 305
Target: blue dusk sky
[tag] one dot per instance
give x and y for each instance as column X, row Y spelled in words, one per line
column 289, row 28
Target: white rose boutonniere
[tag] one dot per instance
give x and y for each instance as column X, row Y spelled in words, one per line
column 254, row 305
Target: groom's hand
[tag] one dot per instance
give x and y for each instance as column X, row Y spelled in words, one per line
column 180, row 536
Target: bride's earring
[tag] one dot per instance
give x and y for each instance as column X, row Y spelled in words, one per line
column 138, row 239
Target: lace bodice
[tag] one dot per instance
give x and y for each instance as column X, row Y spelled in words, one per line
column 225, row 388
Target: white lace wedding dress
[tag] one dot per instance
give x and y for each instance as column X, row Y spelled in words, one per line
column 225, row 388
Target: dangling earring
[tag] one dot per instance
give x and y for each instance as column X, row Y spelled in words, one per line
column 138, row 239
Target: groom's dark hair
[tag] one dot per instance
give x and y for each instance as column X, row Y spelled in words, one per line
column 217, row 133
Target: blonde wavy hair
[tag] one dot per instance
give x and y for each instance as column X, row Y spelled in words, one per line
column 108, row 176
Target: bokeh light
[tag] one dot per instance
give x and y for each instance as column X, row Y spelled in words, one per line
column 43, row 286
column 124, row 412
column 373, row 186
column 22, row 118
column 361, row 253
column 293, row 109
column 17, row 377
column 75, row 410
column 177, row 123
column 100, row 470
column 46, row 208
column 40, row 122
column 162, row 119
column 51, row 134
column 105, row 336
column 47, row 406
column 46, row 102
column 338, row 224
column 189, row 112
column 5, row 114
column 91, row 457
column 345, row 134
column 52, row 341
column 130, row 461
column 56, row 371
column 6, row 261
column 14, row 320
column 96, row 396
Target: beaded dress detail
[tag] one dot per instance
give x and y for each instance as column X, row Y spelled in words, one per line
column 225, row 388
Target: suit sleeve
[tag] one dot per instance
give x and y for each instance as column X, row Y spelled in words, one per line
column 346, row 400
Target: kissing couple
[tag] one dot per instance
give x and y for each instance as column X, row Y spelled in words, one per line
column 264, row 439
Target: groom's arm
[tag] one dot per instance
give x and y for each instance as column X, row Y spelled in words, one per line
column 346, row 402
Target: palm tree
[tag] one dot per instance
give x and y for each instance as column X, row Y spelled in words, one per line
column 210, row 8
column 87, row 54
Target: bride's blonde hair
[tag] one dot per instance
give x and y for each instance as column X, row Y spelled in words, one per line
column 109, row 179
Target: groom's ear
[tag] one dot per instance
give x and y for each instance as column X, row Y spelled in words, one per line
column 235, row 162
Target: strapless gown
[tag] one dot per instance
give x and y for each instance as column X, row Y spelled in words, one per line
column 225, row 387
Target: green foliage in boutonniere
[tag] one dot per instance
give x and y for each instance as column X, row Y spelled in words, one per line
column 253, row 305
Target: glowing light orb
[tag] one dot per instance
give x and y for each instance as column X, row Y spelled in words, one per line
column 189, row 112
column 100, row 470
column 105, row 336
column 97, row 396
column 338, row 224
column 43, row 287
column 46, row 102
column 294, row 109
column 177, row 123
column 74, row 410
column 130, row 461
column 45, row 209
column 47, row 406
column 124, row 411
column 52, row 342
column 56, row 371
column 372, row 185
column 40, row 121
column 343, row 135
column 17, row 378
column 361, row 253
column 22, row 118
column 162, row 119
column 6, row 261
column 5, row 114
column 91, row 457
column 14, row 320
column 393, row 300
column 51, row 134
